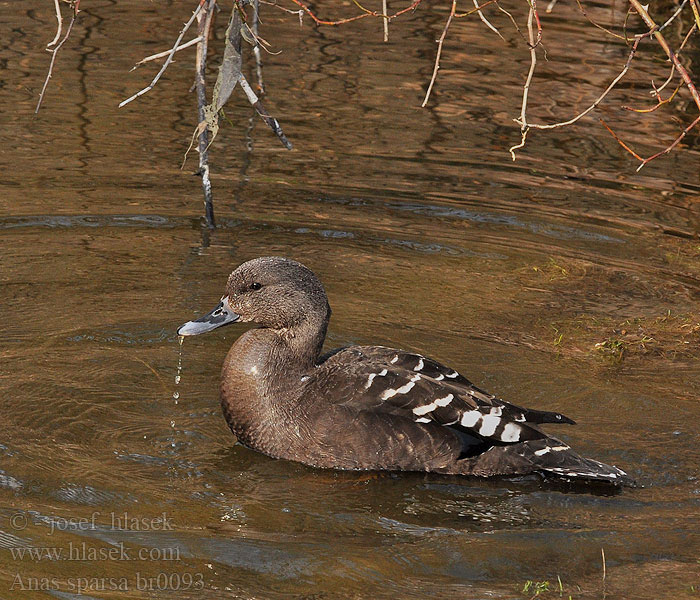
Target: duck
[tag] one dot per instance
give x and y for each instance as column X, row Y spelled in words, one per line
column 369, row 408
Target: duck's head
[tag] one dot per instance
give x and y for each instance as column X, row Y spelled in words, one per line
column 274, row 292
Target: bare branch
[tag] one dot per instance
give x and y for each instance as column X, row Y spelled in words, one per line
column 477, row 9
column 256, row 47
column 149, row 87
column 439, row 52
column 674, row 15
column 365, row 14
column 203, row 26
column 54, row 53
column 696, row 12
column 59, row 24
column 255, row 40
column 672, row 146
column 602, row 96
column 271, row 122
column 486, row 21
column 386, row 21
column 655, row 91
column 666, row 150
column 299, row 12
column 619, row 141
column 524, row 127
column 660, row 102
column 166, row 52
column 654, row 30
column 592, row 22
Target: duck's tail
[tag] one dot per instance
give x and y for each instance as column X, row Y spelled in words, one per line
column 551, row 456
column 548, row 456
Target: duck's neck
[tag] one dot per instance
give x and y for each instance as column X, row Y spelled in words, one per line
column 262, row 378
column 299, row 347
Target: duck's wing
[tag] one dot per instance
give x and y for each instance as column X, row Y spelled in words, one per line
column 433, row 407
column 385, row 380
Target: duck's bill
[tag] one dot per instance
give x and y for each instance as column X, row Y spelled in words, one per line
column 221, row 315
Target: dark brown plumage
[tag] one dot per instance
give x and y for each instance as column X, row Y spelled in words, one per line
column 364, row 407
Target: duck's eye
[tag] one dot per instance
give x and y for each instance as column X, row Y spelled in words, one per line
column 255, row 286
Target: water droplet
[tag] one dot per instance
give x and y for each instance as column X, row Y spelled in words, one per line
column 176, row 394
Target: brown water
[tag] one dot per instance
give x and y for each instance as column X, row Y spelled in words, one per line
column 426, row 236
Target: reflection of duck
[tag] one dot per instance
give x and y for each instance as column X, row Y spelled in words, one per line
column 364, row 407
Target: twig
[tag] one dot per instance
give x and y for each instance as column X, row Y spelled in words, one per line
column 367, row 13
column 512, row 20
column 656, row 91
column 385, row 20
column 165, row 53
column 535, row 14
column 673, row 57
column 600, row 98
column 486, row 21
column 654, row 30
column 318, row 21
column 628, row 14
column 524, row 127
column 256, row 47
column 674, row 15
column 54, row 52
column 666, row 150
column 260, row 109
column 659, row 103
column 696, row 11
column 592, row 22
column 299, row 12
column 255, row 40
column 477, row 9
column 619, row 141
column 59, row 24
column 436, row 68
column 602, row 552
column 203, row 26
column 169, row 59
column 362, row 8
